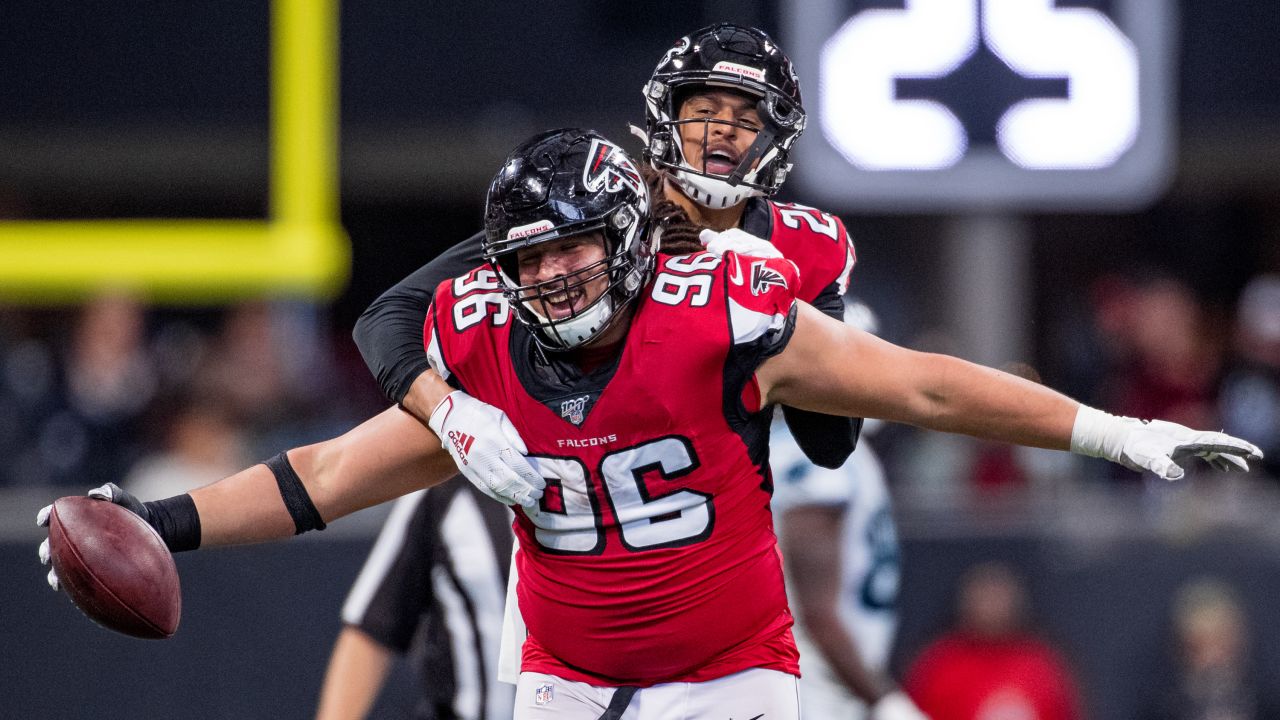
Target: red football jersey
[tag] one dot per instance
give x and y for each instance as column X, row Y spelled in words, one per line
column 962, row 677
column 652, row 556
column 815, row 241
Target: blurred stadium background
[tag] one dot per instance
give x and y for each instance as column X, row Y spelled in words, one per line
column 197, row 201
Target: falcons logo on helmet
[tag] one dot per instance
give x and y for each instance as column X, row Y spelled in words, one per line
column 610, row 169
column 764, row 277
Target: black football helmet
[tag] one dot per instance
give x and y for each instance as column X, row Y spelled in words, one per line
column 558, row 184
column 738, row 58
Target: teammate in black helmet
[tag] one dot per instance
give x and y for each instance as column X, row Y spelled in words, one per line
column 722, row 109
column 721, row 63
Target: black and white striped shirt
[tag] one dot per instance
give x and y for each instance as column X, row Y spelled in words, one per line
column 435, row 583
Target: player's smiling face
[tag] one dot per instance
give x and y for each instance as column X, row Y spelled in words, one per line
column 575, row 267
column 717, row 147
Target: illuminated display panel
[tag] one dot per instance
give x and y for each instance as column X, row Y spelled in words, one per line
column 926, row 105
column 299, row 249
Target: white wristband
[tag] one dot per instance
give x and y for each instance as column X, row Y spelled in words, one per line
column 1099, row 434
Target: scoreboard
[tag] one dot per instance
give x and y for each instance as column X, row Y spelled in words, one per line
column 935, row 105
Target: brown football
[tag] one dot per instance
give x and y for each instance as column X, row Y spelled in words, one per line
column 115, row 567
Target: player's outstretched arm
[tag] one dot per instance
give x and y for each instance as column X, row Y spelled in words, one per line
column 384, row 457
column 831, row 367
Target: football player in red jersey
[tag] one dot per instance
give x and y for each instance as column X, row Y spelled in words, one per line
column 722, row 111
column 649, row 575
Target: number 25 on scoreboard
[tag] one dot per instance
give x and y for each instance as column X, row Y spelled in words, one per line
column 1091, row 127
column 957, row 92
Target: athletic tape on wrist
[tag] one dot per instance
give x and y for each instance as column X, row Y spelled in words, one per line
column 177, row 521
column 296, row 499
column 1099, row 434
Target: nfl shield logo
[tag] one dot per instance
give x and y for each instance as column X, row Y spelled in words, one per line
column 574, row 410
column 542, row 695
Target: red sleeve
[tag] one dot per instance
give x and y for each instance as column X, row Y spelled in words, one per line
column 818, row 244
column 461, row 306
column 762, row 297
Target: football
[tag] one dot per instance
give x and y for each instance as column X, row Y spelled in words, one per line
column 115, row 567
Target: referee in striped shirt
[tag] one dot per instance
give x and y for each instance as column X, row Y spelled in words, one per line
column 433, row 589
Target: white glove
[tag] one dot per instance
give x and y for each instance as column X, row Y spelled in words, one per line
column 739, row 241
column 1155, row 445
column 896, row 706
column 42, row 519
column 487, row 449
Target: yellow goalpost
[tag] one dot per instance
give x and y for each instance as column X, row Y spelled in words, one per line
column 300, row 249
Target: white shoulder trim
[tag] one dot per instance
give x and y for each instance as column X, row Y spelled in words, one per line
column 749, row 325
column 435, row 357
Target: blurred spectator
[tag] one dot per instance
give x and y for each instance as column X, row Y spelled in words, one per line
column 1213, row 679
column 272, row 366
column 990, row 666
column 248, row 367
column 1249, row 401
column 109, row 372
column 79, row 409
column 1165, row 359
column 109, row 380
column 201, row 444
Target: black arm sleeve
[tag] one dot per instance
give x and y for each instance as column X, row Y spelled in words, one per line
column 389, row 331
column 827, row 440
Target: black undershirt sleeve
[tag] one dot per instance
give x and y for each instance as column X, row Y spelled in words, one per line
column 389, row 331
column 827, row 440
column 830, row 302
